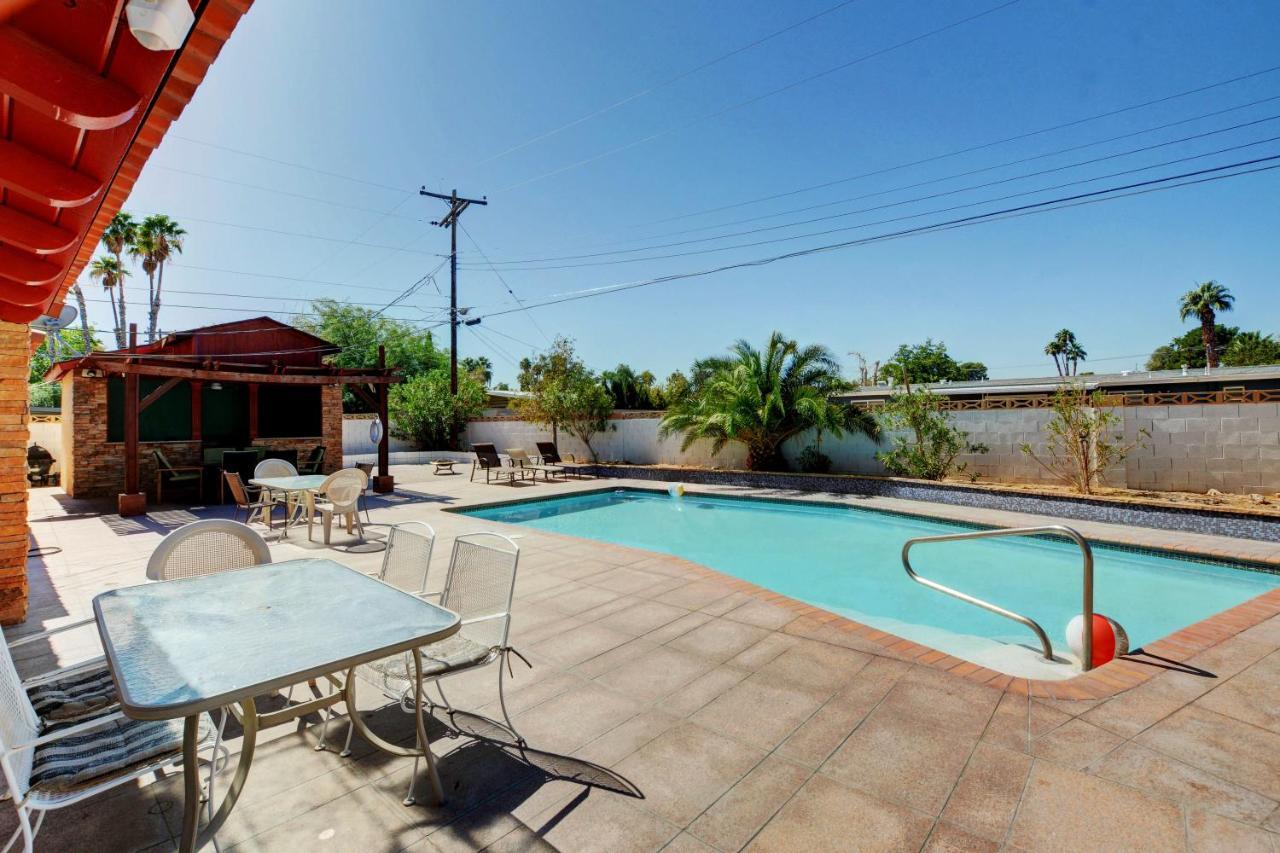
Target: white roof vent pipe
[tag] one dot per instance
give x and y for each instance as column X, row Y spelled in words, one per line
column 1184, row 369
column 160, row 24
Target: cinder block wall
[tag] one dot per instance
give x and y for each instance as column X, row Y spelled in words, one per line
column 1231, row 447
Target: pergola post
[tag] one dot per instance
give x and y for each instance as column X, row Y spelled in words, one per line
column 383, row 483
column 132, row 501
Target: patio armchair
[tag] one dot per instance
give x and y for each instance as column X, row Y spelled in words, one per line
column 479, row 587
column 167, row 472
column 249, row 499
column 520, row 457
column 314, row 461
column 268, row 468
column 488, row 460
column 339, row 495
column 240, row 462
column 551, row 456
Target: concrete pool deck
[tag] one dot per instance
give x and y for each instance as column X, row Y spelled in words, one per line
column 742, row 719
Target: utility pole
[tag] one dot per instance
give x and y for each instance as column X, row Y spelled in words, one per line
column 457, row 204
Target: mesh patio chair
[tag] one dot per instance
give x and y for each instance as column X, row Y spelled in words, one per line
column 78, row 743
column 205, row 547
column 249, row 499
column 339, row 495
column 479, row 587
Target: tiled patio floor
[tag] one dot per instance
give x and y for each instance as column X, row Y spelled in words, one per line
column 738, row 726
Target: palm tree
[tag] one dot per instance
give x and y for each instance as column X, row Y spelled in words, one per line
column 158, row 239
column 111, row 273
column 1203, row 303
column 119, row 236
column 1066, row 352
column 761, row 398
column 85, row 334
column 1073, row 355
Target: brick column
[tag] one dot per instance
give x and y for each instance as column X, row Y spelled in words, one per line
column 15, row 359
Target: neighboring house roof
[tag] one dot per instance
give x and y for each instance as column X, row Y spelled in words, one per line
column 85, row 104
column 1129, row 379
column 510, row 395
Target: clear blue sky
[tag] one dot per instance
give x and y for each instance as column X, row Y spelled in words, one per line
column 399, row 94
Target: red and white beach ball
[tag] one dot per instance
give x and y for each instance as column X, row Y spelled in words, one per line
column 1109, row 638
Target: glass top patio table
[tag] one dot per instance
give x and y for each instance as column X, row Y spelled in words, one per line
column 181, row 647
column 300, row 483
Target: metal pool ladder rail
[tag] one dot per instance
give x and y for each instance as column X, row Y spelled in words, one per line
column 1057, row 529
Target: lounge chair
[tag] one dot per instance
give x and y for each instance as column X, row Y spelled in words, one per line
column 488, row 460
column 551, row 456
column 520, row 458
column 166, row 472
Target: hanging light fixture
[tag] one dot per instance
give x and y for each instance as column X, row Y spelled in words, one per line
column 160, row 24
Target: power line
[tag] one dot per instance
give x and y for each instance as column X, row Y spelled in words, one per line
column 828, row 231
column 1139, row 188
column 738, row 105
column 506, row 356
column 494, row 269
column 944, row 178
column 494, row 331
column 249, row 274
column 280, row 162
column 328, row 239
column 275, row 191
column 635, row 96
column 979, row 147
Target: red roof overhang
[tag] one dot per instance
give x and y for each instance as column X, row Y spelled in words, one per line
column 82, row 106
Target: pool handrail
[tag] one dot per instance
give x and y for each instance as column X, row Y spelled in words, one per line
column 1056, row 529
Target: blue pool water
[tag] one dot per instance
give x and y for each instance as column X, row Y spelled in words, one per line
column 847, row 560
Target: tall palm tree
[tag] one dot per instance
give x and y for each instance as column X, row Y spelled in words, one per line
column 159, row 238
column 85, row 334
column 1073, row 355
column 111, row 273
column 117, row 238
column 1203, row 303
column 1066, row 352
column 761, row 398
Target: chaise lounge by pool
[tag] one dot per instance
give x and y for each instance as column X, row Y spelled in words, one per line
column 847, row 560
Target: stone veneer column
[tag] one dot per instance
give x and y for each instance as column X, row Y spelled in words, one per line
column 15, row 361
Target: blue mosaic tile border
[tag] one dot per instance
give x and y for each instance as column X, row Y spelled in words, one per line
column 1237, row 525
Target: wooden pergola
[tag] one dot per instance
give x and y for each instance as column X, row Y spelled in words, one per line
column 156, row 361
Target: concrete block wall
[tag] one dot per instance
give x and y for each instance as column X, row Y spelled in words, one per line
column 1234, row 448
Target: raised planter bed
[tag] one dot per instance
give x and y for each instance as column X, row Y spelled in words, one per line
column 1260, row 525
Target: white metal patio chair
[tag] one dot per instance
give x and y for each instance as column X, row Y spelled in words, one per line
column 79, row 744
column 205, row 547
column 479, row 588
column 339, row 495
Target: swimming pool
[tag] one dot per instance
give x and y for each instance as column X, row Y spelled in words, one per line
column 847, row 560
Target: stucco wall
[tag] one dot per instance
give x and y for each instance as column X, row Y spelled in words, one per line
column 1231, row 447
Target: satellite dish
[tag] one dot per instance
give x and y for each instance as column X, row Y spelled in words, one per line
column 48, row 323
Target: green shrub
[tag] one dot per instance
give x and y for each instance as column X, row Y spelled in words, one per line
column 930, row 452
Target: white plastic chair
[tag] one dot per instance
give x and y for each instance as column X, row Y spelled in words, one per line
column 274, row 468
column 479, row 588
column 338, row 495
column 51, row 762
column 205, row 547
